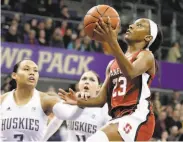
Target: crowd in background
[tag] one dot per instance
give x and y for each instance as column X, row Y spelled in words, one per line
column 48, row 33
column 61, row 34
column 168, row 112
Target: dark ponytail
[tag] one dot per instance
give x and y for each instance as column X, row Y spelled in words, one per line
column 13, row 83
column 16, row 66
column 154, row 47
column 157, row 42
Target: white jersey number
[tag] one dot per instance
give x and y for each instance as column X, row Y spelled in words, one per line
column 123, row 82
column 81, row 138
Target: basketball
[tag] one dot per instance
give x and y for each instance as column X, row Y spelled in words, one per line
column 93, row 16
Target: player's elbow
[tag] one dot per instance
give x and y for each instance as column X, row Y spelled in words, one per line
column 130, row 75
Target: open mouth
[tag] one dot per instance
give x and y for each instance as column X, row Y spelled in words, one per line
column 31, row 78
column 86, row 87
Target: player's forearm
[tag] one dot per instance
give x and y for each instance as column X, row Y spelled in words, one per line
column 99, row 101
column 124, row 64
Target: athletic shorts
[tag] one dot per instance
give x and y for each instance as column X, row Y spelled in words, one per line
column 137, row 126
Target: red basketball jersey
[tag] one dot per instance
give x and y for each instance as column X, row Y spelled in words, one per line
column 125, row 93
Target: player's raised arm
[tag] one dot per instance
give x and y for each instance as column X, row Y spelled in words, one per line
column 143, row 63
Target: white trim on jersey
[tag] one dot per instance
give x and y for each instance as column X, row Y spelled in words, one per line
column 53, row 126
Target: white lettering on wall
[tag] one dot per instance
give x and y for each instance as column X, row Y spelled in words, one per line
column 71, row 64
column 8, row 55
column 56, row 63
column 44, row 58
column 24, row 54
column 70, row 70
column 83, row 64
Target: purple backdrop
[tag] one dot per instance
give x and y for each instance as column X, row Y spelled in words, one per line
column 67, row 64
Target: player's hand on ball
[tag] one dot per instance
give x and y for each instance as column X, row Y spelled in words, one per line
column 68, row 97
column 106, row 31
column 83, row 95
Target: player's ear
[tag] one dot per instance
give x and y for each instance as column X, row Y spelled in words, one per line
column 148, row 38
column 98, row 89
column 14, row 75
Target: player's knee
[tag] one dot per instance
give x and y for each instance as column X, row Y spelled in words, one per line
column 98, row 136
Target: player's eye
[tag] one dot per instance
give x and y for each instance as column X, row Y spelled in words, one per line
column 139, row 25
column 26, row 69
column 35, row 70
column 84, row 78
column 92, row 79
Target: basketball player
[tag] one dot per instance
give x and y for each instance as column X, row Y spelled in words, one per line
column 24, row 110
column 90, row 120
column 126, row 87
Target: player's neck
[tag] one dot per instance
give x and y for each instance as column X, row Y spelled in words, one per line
column 23, row 94
column 135, row 47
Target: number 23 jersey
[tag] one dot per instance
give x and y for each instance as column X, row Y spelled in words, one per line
column 126, row 93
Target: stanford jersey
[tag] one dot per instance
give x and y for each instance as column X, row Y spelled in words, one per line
column 129, row 104
column 123, row 93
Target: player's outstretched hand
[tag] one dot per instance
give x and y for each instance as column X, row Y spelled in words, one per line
column 83, row 95
column 68, row 97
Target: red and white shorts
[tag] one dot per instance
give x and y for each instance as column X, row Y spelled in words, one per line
column 138, row 126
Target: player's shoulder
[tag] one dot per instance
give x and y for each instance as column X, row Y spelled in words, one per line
column 46, row 100
column 110, row 63
column 48, row 96
column 146, row 53
column 108, row 66
column 42, row 94
column 2, row 97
